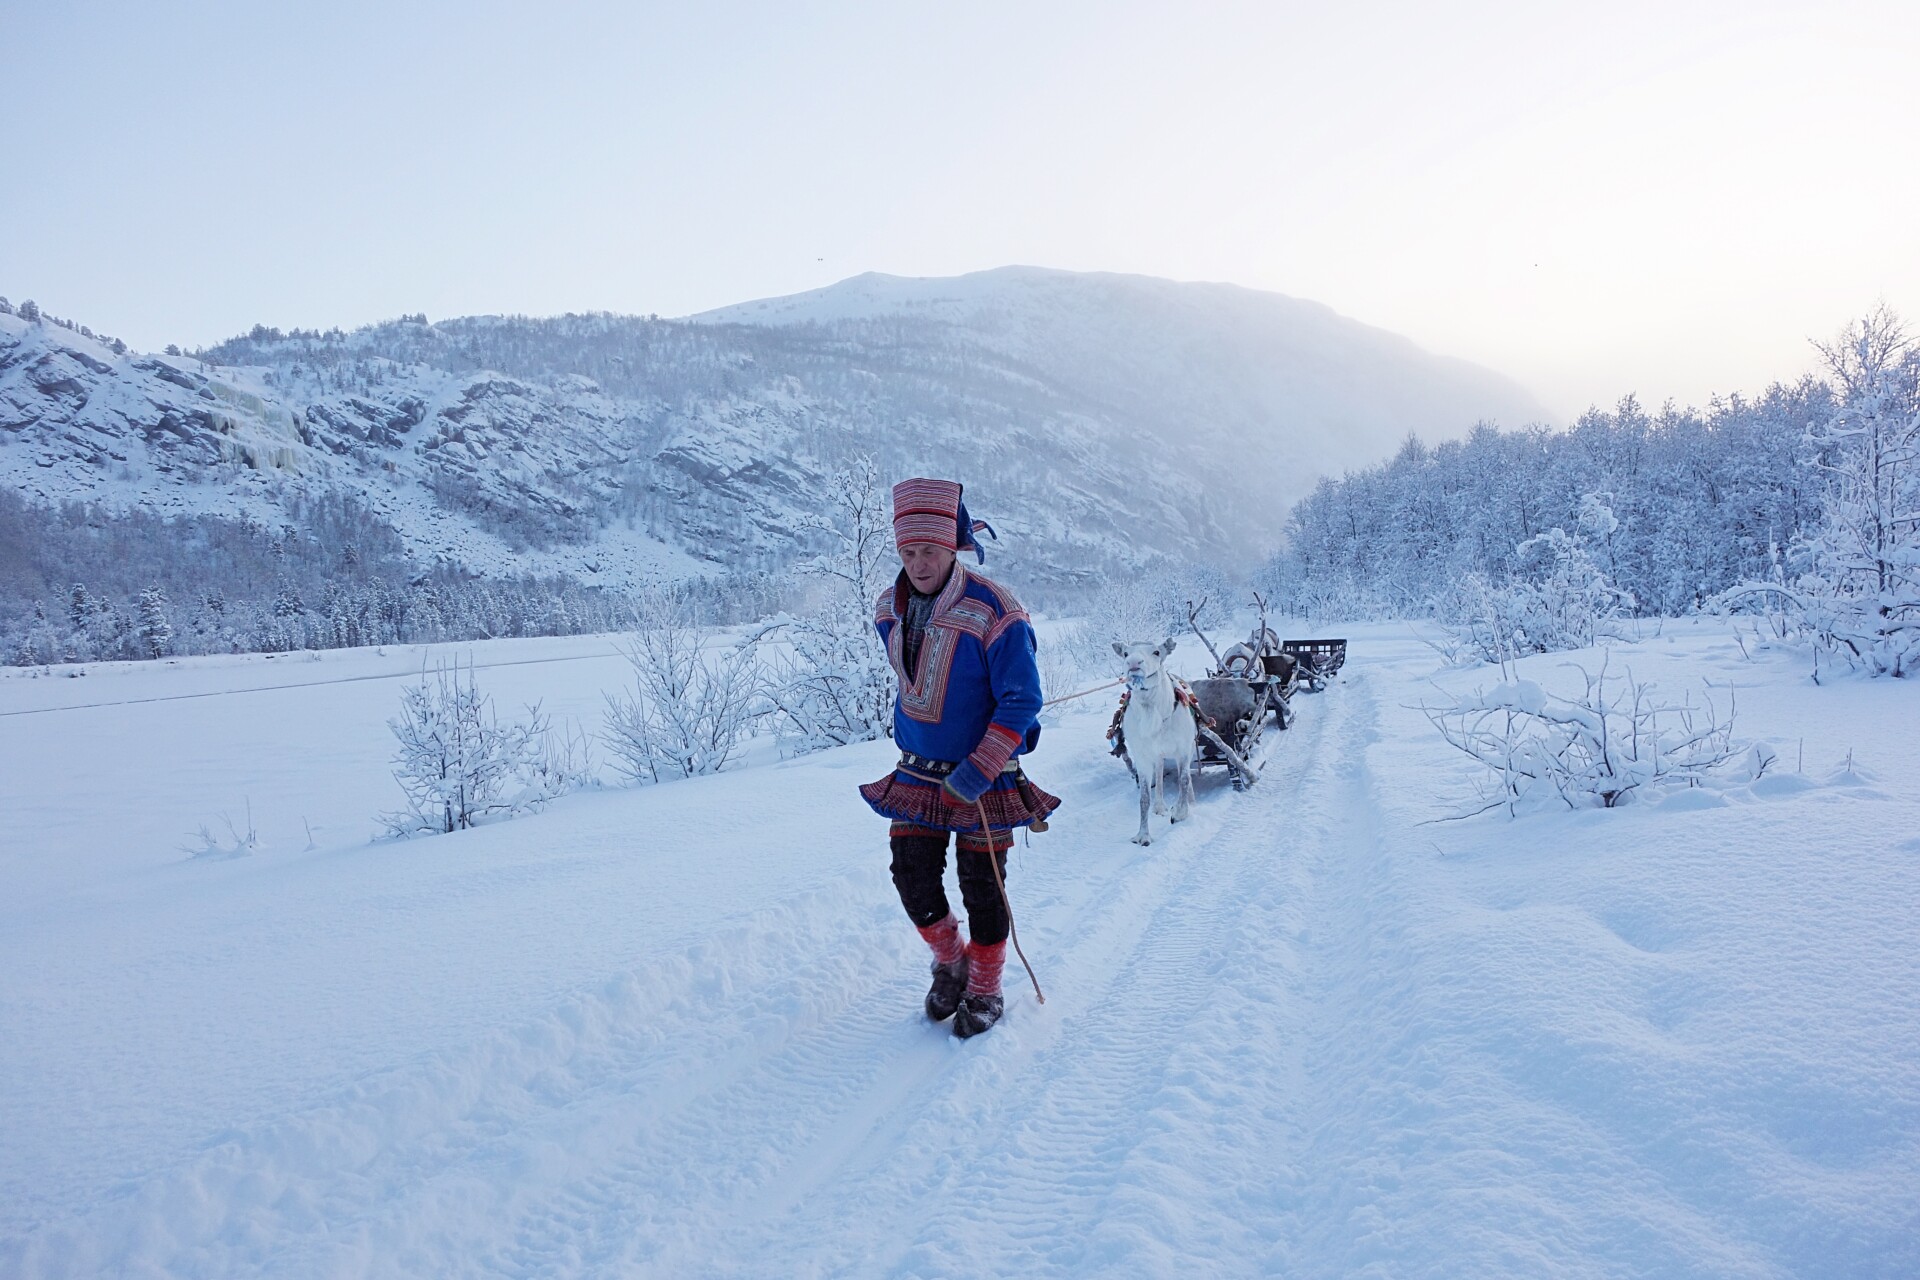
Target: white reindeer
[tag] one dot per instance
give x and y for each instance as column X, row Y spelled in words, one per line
column 1157, row 728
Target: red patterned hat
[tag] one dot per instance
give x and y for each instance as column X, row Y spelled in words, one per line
column 931, row 511
column 926, row 511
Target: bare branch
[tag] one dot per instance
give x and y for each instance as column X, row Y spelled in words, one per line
column 1193, row 621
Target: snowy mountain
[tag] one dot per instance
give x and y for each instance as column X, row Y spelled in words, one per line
column 1252, row 395
column 1104, row 421
column 1292, row 387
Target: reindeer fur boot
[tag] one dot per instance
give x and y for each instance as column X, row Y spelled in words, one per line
column 982, row 1006
column 949, row 968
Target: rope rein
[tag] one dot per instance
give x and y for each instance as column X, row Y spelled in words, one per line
column 993, row 849
column 1012, row 932
column 1054, row 702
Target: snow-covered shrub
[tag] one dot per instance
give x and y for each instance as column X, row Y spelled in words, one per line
column 1344, row 599
column 829, row 682
column 1461, row 643
column 1594, row 751
column 1146, row 608
column 1060, row 674
column 566, row 762
column 1559, row 598
column 1480, row 622
column 1122, row 610
column 457, row 764
column 237, row 844
column 689, row 711
column 1857, row 583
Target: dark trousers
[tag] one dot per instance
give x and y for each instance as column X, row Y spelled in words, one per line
column 919, row 872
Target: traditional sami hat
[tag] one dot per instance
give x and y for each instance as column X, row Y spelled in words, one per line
column 931, row 511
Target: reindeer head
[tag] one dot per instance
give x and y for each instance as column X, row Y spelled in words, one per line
column 1144, row 660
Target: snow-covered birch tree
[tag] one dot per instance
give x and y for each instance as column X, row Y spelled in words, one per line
column 830, row 684
column 689, row 711
column 1863, row 580
column 457, row 764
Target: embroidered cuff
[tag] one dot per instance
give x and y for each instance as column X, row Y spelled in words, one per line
column 991, row 756
column 966, row 783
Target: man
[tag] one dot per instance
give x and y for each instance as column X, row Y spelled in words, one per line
column 968, row 705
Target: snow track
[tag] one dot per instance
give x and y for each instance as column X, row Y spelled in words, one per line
column 1125, row 1073
column 872, row 1126
column 869, row 1125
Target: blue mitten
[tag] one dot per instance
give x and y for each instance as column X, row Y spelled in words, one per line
column 966, row 784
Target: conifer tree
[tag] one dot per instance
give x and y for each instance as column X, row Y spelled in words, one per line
column 156, row 633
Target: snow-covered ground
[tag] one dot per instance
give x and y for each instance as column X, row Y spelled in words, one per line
column 675, row 1031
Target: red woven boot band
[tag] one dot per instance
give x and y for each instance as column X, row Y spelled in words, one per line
column 944, row 937
column 984, row 962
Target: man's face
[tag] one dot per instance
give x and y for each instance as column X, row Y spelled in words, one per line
column 926, row 564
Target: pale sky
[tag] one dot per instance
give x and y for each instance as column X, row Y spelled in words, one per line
column 1667, row 199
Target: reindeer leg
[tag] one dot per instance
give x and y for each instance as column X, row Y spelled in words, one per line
column 1146, row 789
column 1160, row 788
column 1184, row 806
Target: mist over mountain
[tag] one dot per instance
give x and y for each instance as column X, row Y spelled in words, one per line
column 1101, row 422
column 1193, row 364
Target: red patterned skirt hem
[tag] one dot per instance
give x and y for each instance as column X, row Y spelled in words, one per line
column 1012, row 801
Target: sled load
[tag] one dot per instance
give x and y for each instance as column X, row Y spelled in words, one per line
column 1316, row 660
column 1237, row 711
column 1246, row 682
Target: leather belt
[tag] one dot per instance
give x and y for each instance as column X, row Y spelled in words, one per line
column 942, row 768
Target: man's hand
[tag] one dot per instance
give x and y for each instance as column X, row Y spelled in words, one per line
column 966, row 784
column 971, row 778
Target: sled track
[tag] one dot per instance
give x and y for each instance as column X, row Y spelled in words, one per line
column 1113, row 1111
column 770, row 1112
column 856, row 1115
column 1068, row 1140
column 1098, row 1102
column 873, row 1097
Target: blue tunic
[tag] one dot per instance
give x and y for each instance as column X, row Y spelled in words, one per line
column 974, row 703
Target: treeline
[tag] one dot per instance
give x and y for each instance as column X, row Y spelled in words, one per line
column 1698, row 503
column 30, row 311
column 81, row 582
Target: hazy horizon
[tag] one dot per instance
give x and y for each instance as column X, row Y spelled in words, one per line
column 1668, row 203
